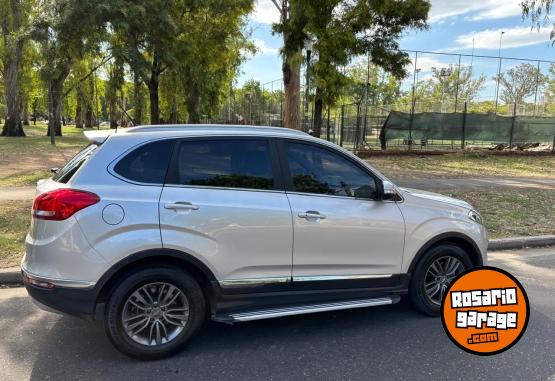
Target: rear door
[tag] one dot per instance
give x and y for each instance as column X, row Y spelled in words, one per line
column 345, row 236
column 224, row 203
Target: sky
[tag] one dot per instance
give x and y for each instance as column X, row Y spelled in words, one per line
column 454, row 25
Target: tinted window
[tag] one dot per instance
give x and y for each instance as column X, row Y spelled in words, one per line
column 146, row 164
column 317, row 170
column 225, row 163
column 64, row 174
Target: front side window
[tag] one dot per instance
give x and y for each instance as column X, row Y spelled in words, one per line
column 318, row 170
column 146, row 164
column 242, row 164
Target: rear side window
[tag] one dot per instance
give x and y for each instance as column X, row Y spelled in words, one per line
column 242, row 164
column 64, row 174
column 147, row 163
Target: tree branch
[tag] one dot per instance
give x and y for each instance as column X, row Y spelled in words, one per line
column 102, row 62
column 277, row 6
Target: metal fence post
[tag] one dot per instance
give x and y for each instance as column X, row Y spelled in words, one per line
column 342, row 125
column 512, row 129
column 463, row 132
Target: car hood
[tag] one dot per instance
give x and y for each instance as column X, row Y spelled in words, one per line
column 436, row 197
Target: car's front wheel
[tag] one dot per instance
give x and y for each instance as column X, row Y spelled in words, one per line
column 433, row 274
column 153, row 312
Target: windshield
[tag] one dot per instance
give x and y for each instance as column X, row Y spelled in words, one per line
column 64, row 174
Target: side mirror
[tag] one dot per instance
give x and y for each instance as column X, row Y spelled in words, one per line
column 54, row 170
column 389, row 191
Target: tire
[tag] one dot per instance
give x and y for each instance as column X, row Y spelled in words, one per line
column 163, row 300
column 423, row 276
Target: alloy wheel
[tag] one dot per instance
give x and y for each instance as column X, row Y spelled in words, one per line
column 439, row 275
column 155, row 314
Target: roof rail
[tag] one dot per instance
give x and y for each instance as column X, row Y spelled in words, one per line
column 200, row 127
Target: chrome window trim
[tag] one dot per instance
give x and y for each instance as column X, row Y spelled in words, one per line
column 332, row 196
column 223, row 188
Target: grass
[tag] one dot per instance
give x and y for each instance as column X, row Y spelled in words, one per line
column 15, row 217
column 464, row 165
column 511, row 213
column 24, row 178
column 37, row 142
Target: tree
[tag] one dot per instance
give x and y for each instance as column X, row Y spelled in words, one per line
column 67, row 30
column 520, row 82
column 213, row 47
column 148, row 30
column 292, row 27
column 343, row 29
column 13, row 18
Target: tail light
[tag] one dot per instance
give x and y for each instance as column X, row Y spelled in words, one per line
column 61, row 204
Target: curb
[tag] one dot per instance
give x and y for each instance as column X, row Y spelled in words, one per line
column 521, row 242
column 12, row 275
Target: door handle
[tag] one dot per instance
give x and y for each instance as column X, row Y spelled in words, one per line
column 181, row 205
column 312, row 215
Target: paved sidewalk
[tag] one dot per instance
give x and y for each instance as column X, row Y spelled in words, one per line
column 17, row 193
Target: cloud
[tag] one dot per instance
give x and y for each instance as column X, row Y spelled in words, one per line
column 265, row 12
column 513, row 38
column 263, row 48
column 474, row 9
column 426, row 63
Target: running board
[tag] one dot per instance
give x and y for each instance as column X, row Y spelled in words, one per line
column 304, row 309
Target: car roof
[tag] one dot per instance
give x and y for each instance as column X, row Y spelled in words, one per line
column 178, row 130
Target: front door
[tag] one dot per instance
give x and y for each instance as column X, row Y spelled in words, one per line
column 221, row 204
column 343, row 234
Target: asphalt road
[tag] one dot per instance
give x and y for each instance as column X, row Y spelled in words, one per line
column 376, row 343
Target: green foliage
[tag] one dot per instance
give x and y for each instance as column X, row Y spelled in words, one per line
column 538, row 12
column 520, row 82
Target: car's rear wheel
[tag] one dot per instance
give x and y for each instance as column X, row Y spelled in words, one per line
column 433, row 274
column 153, row 312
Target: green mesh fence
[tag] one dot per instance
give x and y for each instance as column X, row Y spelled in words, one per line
column 430, row 127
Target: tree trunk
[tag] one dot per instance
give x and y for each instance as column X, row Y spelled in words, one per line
column 318, row 113
column 89, row 112
column 112, row 111
column 79, row 113
column 292, row 84
column 153, row 83
column 137, row 100
column 89, row 117
column 13, row 51
column 55, row 95
column 25, row 112
column 123, row 104
column 193, row 103
column 173, row 114
column 55, row 108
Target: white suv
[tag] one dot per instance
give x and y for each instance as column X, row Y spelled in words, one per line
column 162, row 226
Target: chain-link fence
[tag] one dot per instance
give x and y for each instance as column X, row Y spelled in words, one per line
column 446, row 101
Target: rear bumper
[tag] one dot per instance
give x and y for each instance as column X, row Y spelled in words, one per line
column 79, row 302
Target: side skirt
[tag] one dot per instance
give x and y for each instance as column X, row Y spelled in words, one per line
column 298, row 300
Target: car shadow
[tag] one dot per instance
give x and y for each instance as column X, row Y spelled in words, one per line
column 392, row 342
